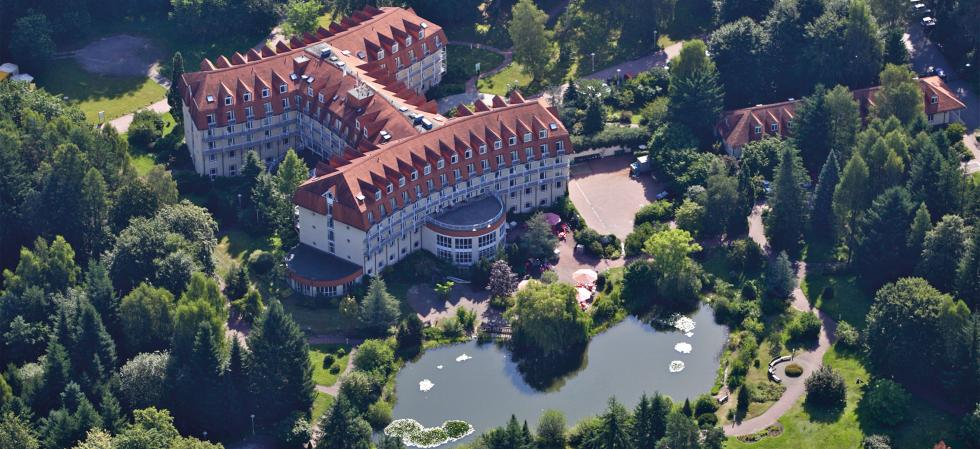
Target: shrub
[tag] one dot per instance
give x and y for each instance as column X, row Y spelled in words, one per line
column 639, row 236
column 749, row 292
column 374, row 356
column 794, row 370
column 707, row 420
column 328, row 360
column 766, row 391
column 746, row 255
column 335, row 369
column 626, row 117
column 661, row 210
column 825, row 388
column 804, row 328
column 886, row 402
column 293, row 430
column 613, row 136
column 705, row 404
column 848, row 336
column 378, row 415
column 827, row 293
column 147, row 127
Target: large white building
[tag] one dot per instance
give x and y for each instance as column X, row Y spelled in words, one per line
column 447, row 191
column 361, row 80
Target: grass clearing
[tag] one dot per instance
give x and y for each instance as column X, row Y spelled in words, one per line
column 233, row 246
column 805, row 428
column 322, row 374
column 513, row 74
column 317, row 315
column 321, row 403
column 849, row 302
column 116, row 95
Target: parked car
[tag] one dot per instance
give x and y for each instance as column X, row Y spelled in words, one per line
column 928, row 23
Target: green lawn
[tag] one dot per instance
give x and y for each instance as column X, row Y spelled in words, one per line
column 233, row 246
column 497, row 84
column 117, row 96
column 321, row 373
column 466, row 58
column 817, row 429
column 849, row 302
column 321, row 403
column 315, row 316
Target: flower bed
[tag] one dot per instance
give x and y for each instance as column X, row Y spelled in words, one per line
column 412, row 433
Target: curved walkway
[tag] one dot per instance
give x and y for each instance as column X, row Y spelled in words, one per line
column 810, row 359
column 334, row 389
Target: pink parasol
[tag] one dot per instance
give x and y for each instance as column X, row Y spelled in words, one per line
column 552, row 218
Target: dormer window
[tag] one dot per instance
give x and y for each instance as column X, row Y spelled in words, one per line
column 210, row 119
column 483, row 149
column 454, row 158
column 401, row 181
column 377, row 195
column 543, row 134
column 408, row 41
column 415, row 175
column 394, row 48
column 309, row 91
column 390, row 188
column 228, row 100
column 265, row 92
column 421, row 34
column 758, row 129
column 247, row 96
column 440, row 164
column 357, row 124
column 774, row 127
column 427, row 169
column 512, row 140
column 468, row 153
column 381, row 54
column 527, row 137
column 934, row 99
column 789, row 124
column 320, row 97
column 498, row 145
column 282, row 89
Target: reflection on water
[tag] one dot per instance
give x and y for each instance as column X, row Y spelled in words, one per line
column 629, row 359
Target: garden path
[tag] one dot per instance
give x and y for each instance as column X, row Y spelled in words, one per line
column 334, row 389
column 810, row 359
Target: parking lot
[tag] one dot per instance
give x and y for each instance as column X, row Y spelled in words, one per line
column 607, row 197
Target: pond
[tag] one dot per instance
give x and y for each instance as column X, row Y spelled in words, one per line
column 629, row 359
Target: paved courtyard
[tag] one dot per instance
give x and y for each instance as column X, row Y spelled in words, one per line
column 607, row 197
column 431, row 308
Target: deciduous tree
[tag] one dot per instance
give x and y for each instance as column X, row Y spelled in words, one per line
column 532, row 40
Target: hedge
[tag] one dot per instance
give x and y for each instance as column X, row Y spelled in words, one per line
column 610, row 137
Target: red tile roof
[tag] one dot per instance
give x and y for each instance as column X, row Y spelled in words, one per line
column 738, row 127
column 297, row 67
column 354, row 179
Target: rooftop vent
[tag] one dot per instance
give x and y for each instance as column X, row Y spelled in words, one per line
column 305, row 77
column 360, row 197
column 310, row 80
column 385, row 136
column 346, row 52
column 361, row 54
column 424, row 25
column 293, row 76
column 402, row 109
column 334, row 58
column 426, row 123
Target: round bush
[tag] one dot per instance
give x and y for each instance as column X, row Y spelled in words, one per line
column 328, row 360
column 847, row 336
column 886, row 402
column 341, row 352
column 707, row 420
column 378, row 415
column 334, row 369
column 825, row 388
column 794, row 370
column 806, row 327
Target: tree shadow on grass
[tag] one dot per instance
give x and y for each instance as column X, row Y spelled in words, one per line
column 823, row 414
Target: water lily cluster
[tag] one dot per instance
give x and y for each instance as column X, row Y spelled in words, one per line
column 412, row 433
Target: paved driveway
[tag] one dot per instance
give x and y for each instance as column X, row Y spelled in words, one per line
column 607, row 197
